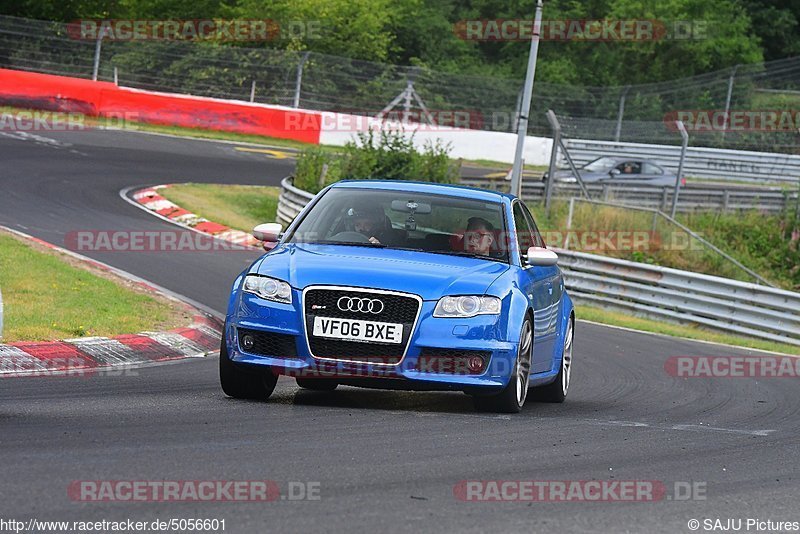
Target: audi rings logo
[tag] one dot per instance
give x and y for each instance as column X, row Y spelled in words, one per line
column 355, row 304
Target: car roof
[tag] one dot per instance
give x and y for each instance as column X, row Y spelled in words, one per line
column 628, row 158
column 427, row 187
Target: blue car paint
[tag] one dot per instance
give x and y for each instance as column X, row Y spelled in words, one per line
column 538, row 291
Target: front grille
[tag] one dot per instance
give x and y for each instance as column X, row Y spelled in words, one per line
column 450, row 361
column 397, row 309
column 269, row 343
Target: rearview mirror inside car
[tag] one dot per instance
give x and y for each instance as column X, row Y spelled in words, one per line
column 410, row 206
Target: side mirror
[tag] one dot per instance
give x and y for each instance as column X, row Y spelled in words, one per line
column 268, row 232
column 541, row 257
column 614, row 172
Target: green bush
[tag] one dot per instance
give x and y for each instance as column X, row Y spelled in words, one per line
column 388, row 156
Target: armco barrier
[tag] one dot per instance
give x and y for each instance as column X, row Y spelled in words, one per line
column 710, row 163
column 691, row 198
column 61, row 93
column 291, row 201
column 656, row 292
column 681, row 296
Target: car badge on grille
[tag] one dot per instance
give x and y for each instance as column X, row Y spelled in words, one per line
column 318, row 307
column 355, row 304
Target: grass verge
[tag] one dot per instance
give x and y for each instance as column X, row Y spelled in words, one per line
column 238, row 206
column 48, row 296
column 768, row 244
column 612, row 318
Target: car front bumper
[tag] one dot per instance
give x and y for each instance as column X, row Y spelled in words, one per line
column 433, row 339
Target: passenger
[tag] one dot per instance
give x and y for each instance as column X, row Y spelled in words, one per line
column 479, row 237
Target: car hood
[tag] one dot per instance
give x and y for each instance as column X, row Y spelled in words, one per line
column 425, row 274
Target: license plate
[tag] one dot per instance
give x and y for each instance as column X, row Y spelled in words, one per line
column 356, row 330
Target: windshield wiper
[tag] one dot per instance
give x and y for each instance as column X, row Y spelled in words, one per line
column 348, row 243
column 466, row 255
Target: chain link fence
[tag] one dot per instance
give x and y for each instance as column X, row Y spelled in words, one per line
column 322, row 82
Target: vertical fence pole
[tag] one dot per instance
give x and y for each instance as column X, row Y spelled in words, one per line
column 685, row 137
column 569, row 222
column 551, row 172
column 253, row 92
column 116, row 76
column 621, row 112
column 98, row 45
column 522, row 125
column 728, row 99
column 1, row 315
column 407, row 100
column 517, row 112
column 299, row 81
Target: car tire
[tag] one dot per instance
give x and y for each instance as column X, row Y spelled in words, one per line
column 317, row 384
column 240, row 383
column 557, row 390
column 512, row 398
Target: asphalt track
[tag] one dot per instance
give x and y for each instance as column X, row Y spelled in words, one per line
column 384, row 461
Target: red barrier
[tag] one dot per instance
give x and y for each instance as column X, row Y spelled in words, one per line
column 61, row 93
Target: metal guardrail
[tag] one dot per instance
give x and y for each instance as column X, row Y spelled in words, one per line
column 682, row 297
column 291, row 201
column 656, row 292
column 711, row 163
column 692, row 198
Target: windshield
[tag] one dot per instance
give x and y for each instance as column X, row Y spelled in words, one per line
column 600, row 164
column 439, row 224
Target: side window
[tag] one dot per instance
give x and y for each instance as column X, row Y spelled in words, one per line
column 630, row 167
column 524, row 233
column 536, row 237
column 649, row 168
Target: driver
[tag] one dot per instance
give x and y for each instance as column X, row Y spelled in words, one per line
column 370, row 222
column 479, row 237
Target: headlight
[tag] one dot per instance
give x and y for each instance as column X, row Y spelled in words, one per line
column 268, row 288
column 467, row 306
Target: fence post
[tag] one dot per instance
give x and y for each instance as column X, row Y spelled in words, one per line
column 728, row 98
column 621, row 112
column 569, row 222
column 253, row 91
column 685, row 137
column 97, row 47
column 299, row 81
column 116, row 76
column 548, row 185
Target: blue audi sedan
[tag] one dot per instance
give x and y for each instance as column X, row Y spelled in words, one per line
column 403, row 285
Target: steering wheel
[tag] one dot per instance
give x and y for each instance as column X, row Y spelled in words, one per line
column 350, row 236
